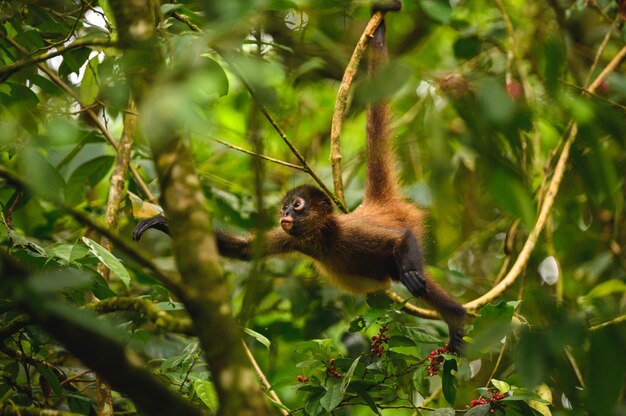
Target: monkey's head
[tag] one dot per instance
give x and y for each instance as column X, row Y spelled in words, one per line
column 304, row 209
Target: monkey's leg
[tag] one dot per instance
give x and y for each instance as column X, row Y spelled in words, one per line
column 451, row 312
column 159, row 223
column 409, row 261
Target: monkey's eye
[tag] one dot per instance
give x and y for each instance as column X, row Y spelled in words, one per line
column 298, row 204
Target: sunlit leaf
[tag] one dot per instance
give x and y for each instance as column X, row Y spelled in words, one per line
column 259, row 337
column 205, row 390
column 108, row 260
column 89, row 84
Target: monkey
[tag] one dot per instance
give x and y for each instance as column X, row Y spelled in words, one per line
column 368, row 248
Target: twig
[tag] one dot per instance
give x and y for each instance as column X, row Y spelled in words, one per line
column 118, row 179
column 263, row 379
column 8, row 70
column 269, row 159
column 613, row 321
column 341, row 100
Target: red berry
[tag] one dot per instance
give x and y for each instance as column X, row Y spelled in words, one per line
column 300, row 379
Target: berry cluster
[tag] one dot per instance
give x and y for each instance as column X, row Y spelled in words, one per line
column 302, row 379
column 332, row 370
column 436, row 359
column 377, row 342
column 491, row 401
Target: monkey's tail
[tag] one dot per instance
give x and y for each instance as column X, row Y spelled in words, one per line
column 382, row 182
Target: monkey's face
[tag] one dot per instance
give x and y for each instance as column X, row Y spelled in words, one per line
column 304, row 211
column 292, row 214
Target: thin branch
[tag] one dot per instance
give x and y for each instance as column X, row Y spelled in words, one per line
column 342, row 98
column 8, row 70
column 269, row 159
column 613, row 321
column 92, row 116
column 266, row 384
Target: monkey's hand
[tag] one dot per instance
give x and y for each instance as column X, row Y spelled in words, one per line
column 159, row 222
column 415, row 282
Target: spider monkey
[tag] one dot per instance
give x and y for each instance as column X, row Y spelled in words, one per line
column 362, row 251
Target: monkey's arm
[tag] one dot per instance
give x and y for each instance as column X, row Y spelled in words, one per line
column 276, row 242
column 229, row 245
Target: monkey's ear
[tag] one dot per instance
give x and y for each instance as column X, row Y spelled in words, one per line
column 159, row 223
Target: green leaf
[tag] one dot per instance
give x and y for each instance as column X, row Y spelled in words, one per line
column 333, row 396
column 369, row 400
column 89, row 85
column 260, row 338
column 467, row 47
column 42, row 176
column 347, row 377
column 481, row 410
column 108, row 260
column 607, row 288
column 449, row 382
column 493, row 324
column 378, row 300
column 441, row 11
column 205, row 390
column 510, row 194
column 51, row 378
column 313, row 406
column 169, row 7
column 73, row 60
column 357, row 324
column 418, row 336
column 86, row 176
column 502, row 386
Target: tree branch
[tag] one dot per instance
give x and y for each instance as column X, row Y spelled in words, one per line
column 156, row 315
column 342, row 97
column 8, row 70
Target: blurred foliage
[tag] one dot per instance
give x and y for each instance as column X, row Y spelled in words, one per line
column 482, row 93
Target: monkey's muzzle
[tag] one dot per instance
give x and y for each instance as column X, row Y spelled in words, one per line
column 286, row 223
